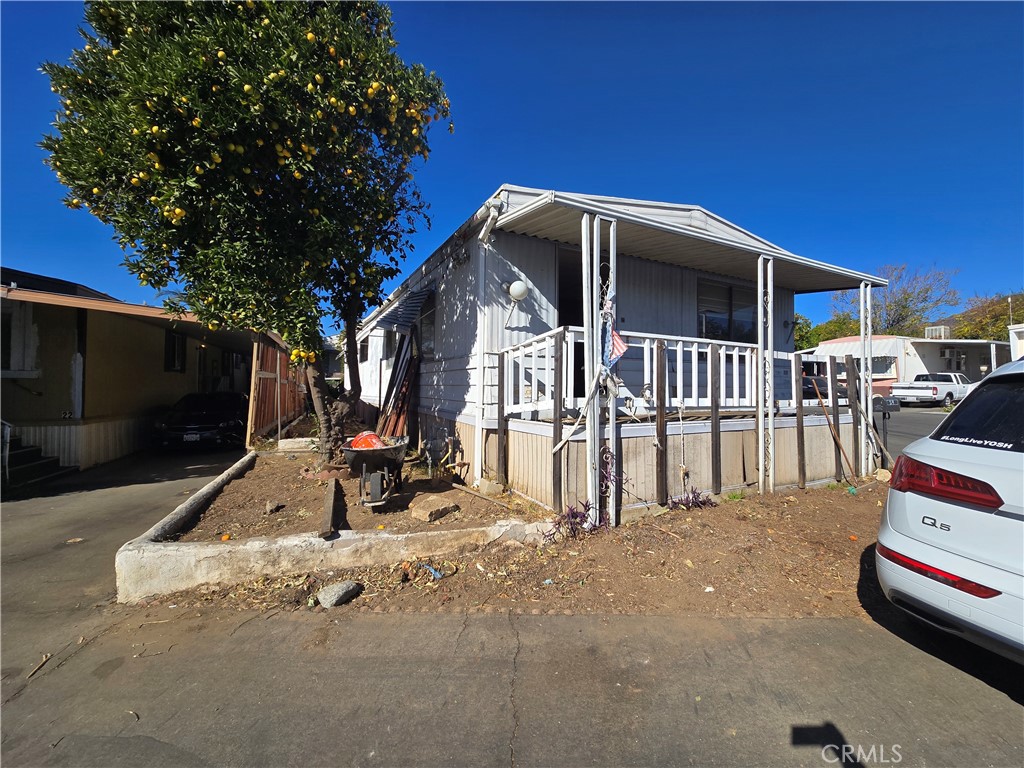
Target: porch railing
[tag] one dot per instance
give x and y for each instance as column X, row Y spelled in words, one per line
column 529, row 372
column 529, row 367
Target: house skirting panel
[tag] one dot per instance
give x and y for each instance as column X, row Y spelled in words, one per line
column 689, row 455
column 85, row 444
column 689, row 459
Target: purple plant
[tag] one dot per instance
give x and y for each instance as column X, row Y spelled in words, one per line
column 574, row 523
column 693, row 499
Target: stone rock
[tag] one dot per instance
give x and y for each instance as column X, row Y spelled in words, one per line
column 336, row 594
column 431, row 508
column 883, row 475
column 490, row 488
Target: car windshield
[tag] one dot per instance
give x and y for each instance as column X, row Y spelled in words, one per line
column 991, row 417
column 212, row 401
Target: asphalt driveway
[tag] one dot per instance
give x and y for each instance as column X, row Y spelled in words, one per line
column 166, row 687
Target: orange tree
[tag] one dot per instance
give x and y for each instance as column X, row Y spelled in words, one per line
column 254, row 158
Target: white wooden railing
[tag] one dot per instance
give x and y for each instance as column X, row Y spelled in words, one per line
column 529, row 374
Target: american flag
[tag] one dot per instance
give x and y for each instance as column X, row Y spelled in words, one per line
column 618, row 347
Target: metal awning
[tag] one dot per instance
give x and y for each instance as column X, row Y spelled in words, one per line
column 402, row 316
column 881, row 346
column 187, row 323
column 675, row 234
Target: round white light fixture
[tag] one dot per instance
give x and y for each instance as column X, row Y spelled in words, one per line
column 518, row 290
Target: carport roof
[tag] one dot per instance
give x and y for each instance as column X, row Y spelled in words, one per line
column 236, row 341
column 685, row 235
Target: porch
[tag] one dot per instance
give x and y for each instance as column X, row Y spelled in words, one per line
column 679, row 413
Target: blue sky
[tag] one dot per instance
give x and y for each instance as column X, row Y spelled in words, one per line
column 861, row 134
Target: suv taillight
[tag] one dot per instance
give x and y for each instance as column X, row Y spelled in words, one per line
column 931, row 572
column 935, row 391
column 912, row 475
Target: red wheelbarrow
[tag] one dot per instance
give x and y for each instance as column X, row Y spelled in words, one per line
column 379, row 469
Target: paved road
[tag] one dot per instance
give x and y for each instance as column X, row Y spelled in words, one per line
column 167, row 687
column 908, row 425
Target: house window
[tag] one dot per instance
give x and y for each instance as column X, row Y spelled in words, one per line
column 364, row 350
column 5, row 338
column 174, row 352
column 954, row 359
column 19, row 342
column 726, row 312
column 427, row 327
column 390, row 344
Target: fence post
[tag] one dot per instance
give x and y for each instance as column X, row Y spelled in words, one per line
column 502, row 468
column 661, row 423
column 853, row 399
column 716, row 419
column 833, row 389
column 556, row 423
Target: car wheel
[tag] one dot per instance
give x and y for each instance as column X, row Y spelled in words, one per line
column 947, row 400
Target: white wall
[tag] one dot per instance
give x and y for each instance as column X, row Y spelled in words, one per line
column 1016, row 341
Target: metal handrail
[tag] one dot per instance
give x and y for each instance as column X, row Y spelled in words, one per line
column 6, row 428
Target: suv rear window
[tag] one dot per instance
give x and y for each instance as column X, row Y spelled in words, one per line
column 991, row 417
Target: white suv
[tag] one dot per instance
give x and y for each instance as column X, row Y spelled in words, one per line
column 951, row 543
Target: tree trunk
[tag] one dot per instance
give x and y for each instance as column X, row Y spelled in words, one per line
column 355, row 386
column 330, row 412
column 318, row 392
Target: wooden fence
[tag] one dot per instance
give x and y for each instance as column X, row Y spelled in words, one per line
column 278, row 393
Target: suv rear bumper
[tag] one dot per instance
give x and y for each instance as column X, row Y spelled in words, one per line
column 948, row 609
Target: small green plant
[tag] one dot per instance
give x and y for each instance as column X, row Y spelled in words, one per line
column 734, row 496
column 832, row 486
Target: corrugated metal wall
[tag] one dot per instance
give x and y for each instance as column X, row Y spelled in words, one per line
column 86, row 444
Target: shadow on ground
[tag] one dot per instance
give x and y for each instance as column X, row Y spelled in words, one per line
column 150, row 466
column 988, row 667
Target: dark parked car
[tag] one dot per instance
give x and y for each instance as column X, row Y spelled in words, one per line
column 209, row 418
column 807, row 385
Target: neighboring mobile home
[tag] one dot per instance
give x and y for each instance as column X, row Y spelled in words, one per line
column 901, row 358
column 84, row 376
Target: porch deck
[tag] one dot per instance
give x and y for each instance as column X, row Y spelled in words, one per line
column 690, row 398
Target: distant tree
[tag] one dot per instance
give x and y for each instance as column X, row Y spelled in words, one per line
column 987, row 317
column 908, row 304
column 836, row 327
column 255, row 157
column 802, row 335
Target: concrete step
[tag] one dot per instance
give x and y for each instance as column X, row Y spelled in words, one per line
column 23, row 455
column 33, row 471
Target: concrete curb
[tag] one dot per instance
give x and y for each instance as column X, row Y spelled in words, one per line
column 150, row 565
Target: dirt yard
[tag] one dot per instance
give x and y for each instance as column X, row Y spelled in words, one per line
column 797, row 553
column 281, row 495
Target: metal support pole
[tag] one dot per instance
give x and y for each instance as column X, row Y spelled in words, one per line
column 588, row 356
column 867, row 393
column 760, row 376
column 765, row 379
column 661, row 425
column 613, row 441
column 769, row 381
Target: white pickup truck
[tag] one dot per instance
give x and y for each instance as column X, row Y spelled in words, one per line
column 942, row 388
